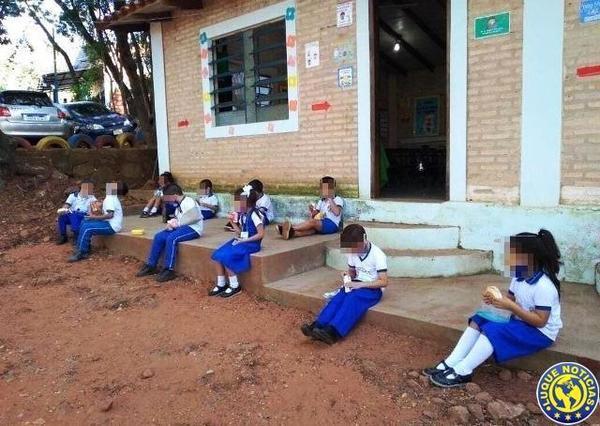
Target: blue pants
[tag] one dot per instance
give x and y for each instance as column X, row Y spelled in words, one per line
column 344, row 310
column 207, row 214
column 74, row 219
column 90, row 228
column 167, row 241
column 328, row 226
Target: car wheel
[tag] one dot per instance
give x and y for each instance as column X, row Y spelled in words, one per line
column 22, row 143
column 105, row 141
column 81, row 140
column 126, row 140
column 50, row 142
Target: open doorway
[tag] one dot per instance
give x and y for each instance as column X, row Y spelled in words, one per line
column 411, row 85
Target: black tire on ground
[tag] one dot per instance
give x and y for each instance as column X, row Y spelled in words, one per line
column 81, row 141
column 22, row 143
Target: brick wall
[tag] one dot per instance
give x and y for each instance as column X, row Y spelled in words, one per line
column 494, row 107
column 326, row 142
column 581, row 112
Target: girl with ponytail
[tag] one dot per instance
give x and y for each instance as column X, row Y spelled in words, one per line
column 533, row 303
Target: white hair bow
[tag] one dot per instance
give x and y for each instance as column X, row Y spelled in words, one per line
column 246, row 190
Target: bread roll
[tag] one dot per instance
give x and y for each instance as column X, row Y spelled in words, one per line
column 493, row 291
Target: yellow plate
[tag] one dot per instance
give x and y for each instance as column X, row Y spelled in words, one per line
column 137, row 232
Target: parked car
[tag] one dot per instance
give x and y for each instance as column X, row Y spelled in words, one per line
column 94, row 119
column 31, row 115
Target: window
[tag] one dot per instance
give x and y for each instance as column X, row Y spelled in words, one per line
column 25, row 98
column 249, row 75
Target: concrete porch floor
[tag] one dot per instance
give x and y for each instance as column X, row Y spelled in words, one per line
column 293, row 273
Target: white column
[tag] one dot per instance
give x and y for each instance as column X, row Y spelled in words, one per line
column 457, row 145
column 160, row 96
column 541, row 122
column 363, row 76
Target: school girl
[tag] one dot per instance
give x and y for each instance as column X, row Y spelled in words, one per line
column 75, row 208
column 533, row 302
column 363, row 288
column 263, row 203
column 187, row 225
column 233, row 257
column 207, row 200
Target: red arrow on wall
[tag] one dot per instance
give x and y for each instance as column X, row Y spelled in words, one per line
column 321, row 106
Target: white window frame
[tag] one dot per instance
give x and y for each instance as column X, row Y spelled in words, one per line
column 240, row 23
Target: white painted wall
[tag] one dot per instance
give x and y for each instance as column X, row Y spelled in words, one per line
column 363, row 75
column 160, row 97
column 541, row 131
column 458, row 60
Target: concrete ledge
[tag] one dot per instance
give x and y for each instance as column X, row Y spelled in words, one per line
column 412, row 237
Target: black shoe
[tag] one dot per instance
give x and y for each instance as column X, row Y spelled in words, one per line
column 166, row 275
column 230, row 291
column 62, row 240
column 307, row 329
column 146, row 270
column 279, row 229
column 216, row 290
column 144, row 215
column 432, row 371
column 229, row 227
column 449, row 379
column 326, row 334
column 77, row 257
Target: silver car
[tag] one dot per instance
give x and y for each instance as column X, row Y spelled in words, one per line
column 31, row 115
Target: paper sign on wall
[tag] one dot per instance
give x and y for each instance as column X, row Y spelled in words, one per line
column 589, row 11
column 344, row 14
column 311, row 54
column 345, row 77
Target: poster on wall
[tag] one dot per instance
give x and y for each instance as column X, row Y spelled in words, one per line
column 589, row 11
column 345, row 77
column 492, row 25
column 427, row 116
column 311, row 54
column 344, row 14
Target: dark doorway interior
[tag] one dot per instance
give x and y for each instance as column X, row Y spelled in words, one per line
column 411, row 137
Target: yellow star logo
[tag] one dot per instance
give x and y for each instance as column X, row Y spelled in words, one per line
column 557, row 415
column 568, row 417
column 578, row 415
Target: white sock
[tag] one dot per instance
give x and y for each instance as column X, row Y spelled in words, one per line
column 221, row 281
column 233, row 281
column 462, row 348
column 146, row 209
column 478, row 354
column 154, row 210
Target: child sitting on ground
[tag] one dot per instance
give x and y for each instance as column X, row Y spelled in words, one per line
column 207, row 200
column 105, row 221
column 325, row 217
column 187, row 225
column 233, row 257
column 74, row 210
column 154, row 205
column 532, row 319
column 362, row 288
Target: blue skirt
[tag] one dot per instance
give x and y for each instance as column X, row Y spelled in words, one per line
column 512, row 339
column 236, row 258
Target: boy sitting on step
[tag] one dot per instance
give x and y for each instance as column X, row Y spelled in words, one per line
column 74, row 210
column 207, row 200
column 325, row 217
column 362, row 288
column 155, row 204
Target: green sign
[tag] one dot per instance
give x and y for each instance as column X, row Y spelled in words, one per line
column 492, row 25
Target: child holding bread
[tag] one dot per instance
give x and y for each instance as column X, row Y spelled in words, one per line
column 533, row 301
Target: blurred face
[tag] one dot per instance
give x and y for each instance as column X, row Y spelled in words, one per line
column 86, row 189
column 240, row 204
column 204, row 190
column 518, row 264
column 354, row 247
column 111, row 188
column 327, row 190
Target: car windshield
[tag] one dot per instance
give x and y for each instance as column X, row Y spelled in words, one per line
column 25, row 98
column 88, row 110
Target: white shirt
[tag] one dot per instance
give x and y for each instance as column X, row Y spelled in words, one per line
column 369, row 264
column 266, row 206
column 186, row 204
column 112, row 203
column 158, row 193
column 79, row 203
column 211, row 200
column 542, row 295
column 323, row 206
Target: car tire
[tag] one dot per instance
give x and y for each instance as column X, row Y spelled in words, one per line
column 50, row 142
column 22, row 142
column 105, row 141
column 80, row 140
column 126, row 140
column 140, row 140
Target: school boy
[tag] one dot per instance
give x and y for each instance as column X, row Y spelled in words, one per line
column 75, row 208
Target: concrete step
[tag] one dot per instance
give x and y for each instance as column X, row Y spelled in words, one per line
column 412, row 237
column 278, row 259
column 423, row 263
column 438, row 309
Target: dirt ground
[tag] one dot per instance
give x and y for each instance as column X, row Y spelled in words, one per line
column 90, row 344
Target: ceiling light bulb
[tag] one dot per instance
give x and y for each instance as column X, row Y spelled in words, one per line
column 396, row 47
